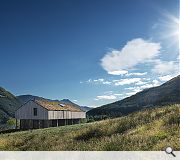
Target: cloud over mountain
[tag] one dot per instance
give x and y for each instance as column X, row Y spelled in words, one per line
column 166, row 67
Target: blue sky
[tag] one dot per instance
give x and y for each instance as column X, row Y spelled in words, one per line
column 92, row 52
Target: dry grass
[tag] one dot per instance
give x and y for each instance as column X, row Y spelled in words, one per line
column 151, row 129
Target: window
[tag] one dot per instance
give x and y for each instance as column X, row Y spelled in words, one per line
column 35, row 111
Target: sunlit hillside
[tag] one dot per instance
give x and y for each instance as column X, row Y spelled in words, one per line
column 149, row 129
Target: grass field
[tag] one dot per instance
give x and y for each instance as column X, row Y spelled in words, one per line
column 150, row 129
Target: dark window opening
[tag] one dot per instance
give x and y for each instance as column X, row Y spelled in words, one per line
column 35, row 111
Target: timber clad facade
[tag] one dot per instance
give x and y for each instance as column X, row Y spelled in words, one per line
column 43, row 114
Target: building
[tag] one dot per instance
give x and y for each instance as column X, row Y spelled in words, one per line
column 36, row 114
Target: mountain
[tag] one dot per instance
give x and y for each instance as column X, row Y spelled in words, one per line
column 85, row 108
column 166, row 93
column 8, row 105
column 25, row 98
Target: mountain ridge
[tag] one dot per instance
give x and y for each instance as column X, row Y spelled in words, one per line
column 160, row 95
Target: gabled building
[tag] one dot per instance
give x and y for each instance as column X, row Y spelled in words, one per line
column 36, row 114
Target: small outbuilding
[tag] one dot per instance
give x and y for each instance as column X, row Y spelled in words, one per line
column 36, row 114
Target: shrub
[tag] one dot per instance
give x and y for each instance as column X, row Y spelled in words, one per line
column 173, row 120
column 89, row 134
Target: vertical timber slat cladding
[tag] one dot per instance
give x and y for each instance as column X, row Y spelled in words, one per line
column 35, row 114
column 26, row 111
column 56, row 114
column 65, row 115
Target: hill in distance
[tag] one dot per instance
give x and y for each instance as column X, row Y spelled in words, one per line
column 25, row 98
column 167, row 93
column 8, row 104
column 151, row 129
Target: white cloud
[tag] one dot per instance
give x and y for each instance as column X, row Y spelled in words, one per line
column 117, row 82
column 131, row 93
column 130, row 88
column 89, row 81
column 109, row 95
column 134, row 52
column 154, row 83
column 136, row 74
column 106, row 97
column 108, row 92
column 98, row 81
column 136, row 89
column 141, row 83
column 118, row 94
column 166, row 78
column 178, row 57
column 126, row 81
column 106, row 82
column 146, row 86
column 165, row 67
column 120, row 72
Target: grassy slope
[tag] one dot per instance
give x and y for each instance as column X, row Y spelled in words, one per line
column 151, row 129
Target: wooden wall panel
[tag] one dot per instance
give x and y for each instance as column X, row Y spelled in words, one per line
column 65, row 115
column 26, row 111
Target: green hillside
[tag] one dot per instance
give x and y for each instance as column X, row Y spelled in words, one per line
column 167, row 93
column 150, row 129
column 8, row 105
